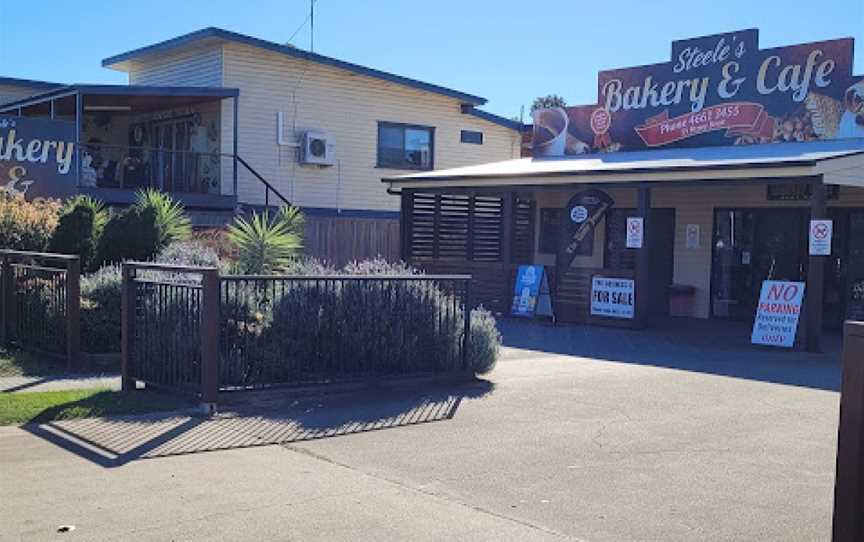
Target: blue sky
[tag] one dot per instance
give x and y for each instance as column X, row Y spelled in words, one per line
column 507, row 51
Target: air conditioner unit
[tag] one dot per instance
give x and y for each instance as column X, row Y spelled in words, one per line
column 316, row 148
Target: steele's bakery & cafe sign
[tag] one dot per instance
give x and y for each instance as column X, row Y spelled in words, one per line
column 717, row 90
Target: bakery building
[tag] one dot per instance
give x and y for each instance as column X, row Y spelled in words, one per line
column 726, row 183
column 229, row 123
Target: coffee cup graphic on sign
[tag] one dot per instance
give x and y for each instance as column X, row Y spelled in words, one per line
column 550, row 131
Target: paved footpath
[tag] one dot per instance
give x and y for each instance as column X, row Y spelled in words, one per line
column 667, row 444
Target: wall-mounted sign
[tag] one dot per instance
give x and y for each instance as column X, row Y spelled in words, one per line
column 613, row 297
column 635, row 231
column 716, row 90
column 37, row 157
column 820, row 237
column 527, row 289
column 798, row 191
column 777, row 314
column 582, row 214
column 694, row 234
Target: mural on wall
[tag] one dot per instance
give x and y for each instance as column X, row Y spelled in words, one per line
column 37, row 157
column 717, row 90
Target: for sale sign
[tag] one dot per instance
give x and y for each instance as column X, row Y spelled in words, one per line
column 777, row 314
column 612, row 297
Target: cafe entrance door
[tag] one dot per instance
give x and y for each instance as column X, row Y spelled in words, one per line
column 749, row 247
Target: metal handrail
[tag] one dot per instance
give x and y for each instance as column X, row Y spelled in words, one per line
column 40, row 255
column 268, row 187
column 154, row 266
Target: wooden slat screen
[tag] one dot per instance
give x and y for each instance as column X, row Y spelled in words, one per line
column 422, row 226
column 487, row 229
column 453, row 226
column 456, row 227
column 523, row 230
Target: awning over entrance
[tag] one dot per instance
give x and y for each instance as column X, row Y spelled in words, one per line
column 838, row 161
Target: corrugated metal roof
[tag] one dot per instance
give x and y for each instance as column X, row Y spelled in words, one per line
column 700, row 158
column 27, row 83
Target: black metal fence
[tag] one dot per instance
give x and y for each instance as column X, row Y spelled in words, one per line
column 187, row 328
column 167, row 312
column 40, row 303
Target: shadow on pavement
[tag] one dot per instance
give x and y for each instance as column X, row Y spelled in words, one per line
column 706, row 346
column 277, row 418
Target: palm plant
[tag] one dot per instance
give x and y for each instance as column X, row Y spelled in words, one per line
column 172, row 223
column 267, row 246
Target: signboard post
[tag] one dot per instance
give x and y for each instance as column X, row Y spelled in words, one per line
column 613, row 297
column 635, row 231
column 778, row 312
column 820, row 237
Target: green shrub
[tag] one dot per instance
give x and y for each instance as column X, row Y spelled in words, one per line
column 172, row 224
column 485, row 341
column 100, row 310
column 314, row 330
column 79, row 228
column 265, row 245
column 190, row 253
column 27, row 225
column 131, row 234
column 379, row 267
column 143, row 229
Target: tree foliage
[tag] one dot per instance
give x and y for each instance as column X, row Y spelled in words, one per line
column 548, row 101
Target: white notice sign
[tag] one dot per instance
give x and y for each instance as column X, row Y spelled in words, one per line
column 612, row 298
column 820, row 237
column 694, row 234
column 635, row 231
column 777, row 314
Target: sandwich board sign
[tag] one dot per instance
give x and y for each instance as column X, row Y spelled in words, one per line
column 527, row 289
column 778, row 313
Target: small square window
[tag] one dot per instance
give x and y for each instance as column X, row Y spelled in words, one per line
column 470, row 136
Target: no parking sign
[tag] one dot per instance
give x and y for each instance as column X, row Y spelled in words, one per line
column 820, row 237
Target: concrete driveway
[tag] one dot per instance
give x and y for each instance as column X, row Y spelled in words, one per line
column 656, row 437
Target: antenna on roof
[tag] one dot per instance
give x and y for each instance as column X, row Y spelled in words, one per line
column 312, row 26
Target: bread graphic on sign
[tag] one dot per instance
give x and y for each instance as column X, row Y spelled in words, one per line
column 825, row 113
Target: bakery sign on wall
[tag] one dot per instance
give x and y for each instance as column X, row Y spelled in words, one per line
column 37, row 157
column 717, row 90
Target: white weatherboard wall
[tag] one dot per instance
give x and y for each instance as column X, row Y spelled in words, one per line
column 193, row 67
column 345, row 105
